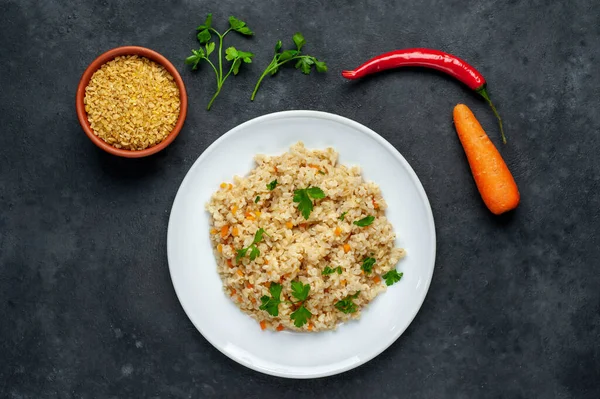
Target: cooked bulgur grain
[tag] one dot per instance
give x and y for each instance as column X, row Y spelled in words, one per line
column 132, row 103
column 295, row 249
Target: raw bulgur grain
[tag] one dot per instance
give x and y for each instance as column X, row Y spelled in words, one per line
column 132, row 103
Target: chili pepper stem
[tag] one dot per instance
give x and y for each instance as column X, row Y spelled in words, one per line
column 483, row 92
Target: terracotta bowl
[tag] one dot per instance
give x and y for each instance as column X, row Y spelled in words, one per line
column 108, row 56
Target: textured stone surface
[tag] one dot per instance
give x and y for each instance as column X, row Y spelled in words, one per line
column 87, row 308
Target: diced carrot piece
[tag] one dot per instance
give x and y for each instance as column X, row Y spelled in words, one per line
column 263, row 325
column 234, row 209
column 249, row 286
column 302, row 225
column 252, row 299
column 289, row 225
column 240, row 273
column 310, row 165
column 223, row 185
column 250, row 216
column 375, row 204
column 266, row 262
column 337, row 231
column 276, row 170
column 346, row 248
column 233, row 291
column 280, row 327
column 376, row 279
column 310, row 327
column 219, row 248
column 235, row 231
column 229, row 263
column 224, row 231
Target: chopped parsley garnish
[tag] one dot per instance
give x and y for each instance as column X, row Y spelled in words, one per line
column 364, row 222
column 303, row 198
column 301, row 315
column 342, row 216
column 367, row 265
column 346, row 305
column 271, row 186
column 257, row 199
column 392, row 277
column 328, row 270
column 321, row 172
column 271, row 304
column 254, row 251
column 300, row 291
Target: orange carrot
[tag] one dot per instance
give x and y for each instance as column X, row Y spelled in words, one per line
column 289, row 225
column 263, row 324
column 337, row 231
column 346, row 248
column 280, row 327
column 224, row 231
column 494, row 181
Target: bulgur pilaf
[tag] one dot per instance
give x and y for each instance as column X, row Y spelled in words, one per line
column 132, row 103
column 268, row 253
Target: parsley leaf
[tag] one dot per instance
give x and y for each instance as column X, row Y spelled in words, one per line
column 239, row 26
column 300, row 316
column 328, row 270
column 298, row 40
column 237, row 57
column 241, row 253
column 367, row 265
column 254, row 251
column 303, row 62
column 300, row 291
column 364, row 222
column 258, row 236
column 271, row 186
column 346, row 305
column 392, row 277
column 257, row 199
column 271, row 305
column 303, row 198
column 342, row 216
column 315, row 192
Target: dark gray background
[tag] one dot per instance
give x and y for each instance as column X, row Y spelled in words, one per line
column 87, row 308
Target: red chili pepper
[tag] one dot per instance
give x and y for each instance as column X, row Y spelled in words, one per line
column 423, row 57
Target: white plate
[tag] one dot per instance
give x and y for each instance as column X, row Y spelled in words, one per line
column 290, row 354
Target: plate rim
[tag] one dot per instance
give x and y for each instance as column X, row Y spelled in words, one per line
column 363, row 129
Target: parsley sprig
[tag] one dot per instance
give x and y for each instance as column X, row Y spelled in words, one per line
column 364, row 222
column 367, row 265
column 301, row 315
column 254, row 251
column 271, row 304
column 347, row 305
column 235, row 56
column 392, row 277
column 271, row 186
column 328, row 270
column 342, row 216
column 299, row 291
column 303, row 198
column 304, row 62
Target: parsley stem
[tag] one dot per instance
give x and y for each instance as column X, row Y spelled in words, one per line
column 273, row 65
column 214, row 97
